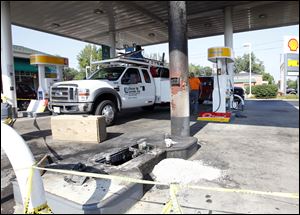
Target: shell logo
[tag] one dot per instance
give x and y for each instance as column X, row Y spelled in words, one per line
column 293, row 44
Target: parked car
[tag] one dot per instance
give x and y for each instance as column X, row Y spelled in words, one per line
column 291, row 91
column 207, row 86
column 24, row 94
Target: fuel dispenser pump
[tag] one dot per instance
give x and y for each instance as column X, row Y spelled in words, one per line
column 223, row 88
column 47, row 60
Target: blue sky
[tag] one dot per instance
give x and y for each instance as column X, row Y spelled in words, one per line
column 267, row 45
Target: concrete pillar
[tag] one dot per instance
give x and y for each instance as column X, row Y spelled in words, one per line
column 112, row 44
column 178, row 52
column 7, row 60
column 42, row 83
column 228, row 35
column 228, row 39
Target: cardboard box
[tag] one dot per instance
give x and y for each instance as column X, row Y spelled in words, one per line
column 78, row 128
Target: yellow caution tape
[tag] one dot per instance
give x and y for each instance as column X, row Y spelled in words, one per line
column 167, row 208
column 174, row 188
column 9, row 121
column 23, row 99
column 4, row 98
column 173, row 202
column 139, row 181
column 29, row 189
column 42, row 209
column 96, row 175
column 277, row 194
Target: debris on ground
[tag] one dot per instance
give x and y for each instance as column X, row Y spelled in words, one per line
column 175, row 170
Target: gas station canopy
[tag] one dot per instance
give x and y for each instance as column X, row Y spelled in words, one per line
column 146, row 22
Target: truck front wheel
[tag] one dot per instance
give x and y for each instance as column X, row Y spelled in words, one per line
column 108, row 109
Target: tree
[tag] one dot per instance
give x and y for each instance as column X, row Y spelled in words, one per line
column 194, row 69
column 242, row 64
column 73, row 74
column 90, row 52
column 200, row 70
column 69, row 74
column 206, row 71
column 292, row 84
column 268, row 77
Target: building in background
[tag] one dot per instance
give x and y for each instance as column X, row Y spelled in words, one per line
column 26, row 75
column 242, row 80
column 24, row 72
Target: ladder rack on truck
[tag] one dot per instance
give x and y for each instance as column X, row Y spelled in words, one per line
column 134, row 61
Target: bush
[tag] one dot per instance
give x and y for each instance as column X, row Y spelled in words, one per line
column 265, row 91
column 247, row 90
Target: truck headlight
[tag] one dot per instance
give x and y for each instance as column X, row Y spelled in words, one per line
column 83, row 94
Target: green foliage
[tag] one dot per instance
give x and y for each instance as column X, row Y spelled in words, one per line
column 194, row 69
column 206, row 71
column 247, row 89
column 292, row 84
column 268, row 77
column 73, row 74
column 242, row 64
column 69, row 74
column 264, row 91
column 80, row 75
column 90, row 52
column 200, row 70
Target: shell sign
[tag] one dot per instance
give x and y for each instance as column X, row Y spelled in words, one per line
column 291, row 44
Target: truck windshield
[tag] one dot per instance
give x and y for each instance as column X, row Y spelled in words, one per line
column 111, row 73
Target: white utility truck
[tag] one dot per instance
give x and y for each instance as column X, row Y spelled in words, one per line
column 119, row 83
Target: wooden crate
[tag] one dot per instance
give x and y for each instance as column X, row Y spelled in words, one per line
column 78, row 128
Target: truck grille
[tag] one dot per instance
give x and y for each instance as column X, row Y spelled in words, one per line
column 64, row 93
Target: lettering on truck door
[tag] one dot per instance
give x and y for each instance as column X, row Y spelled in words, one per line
column 131, row 89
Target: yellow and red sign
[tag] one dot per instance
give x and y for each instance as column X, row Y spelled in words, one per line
column 293, row 63
column 219, row 52
column 214, row 116
column 49, row 60
column 291, row 44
